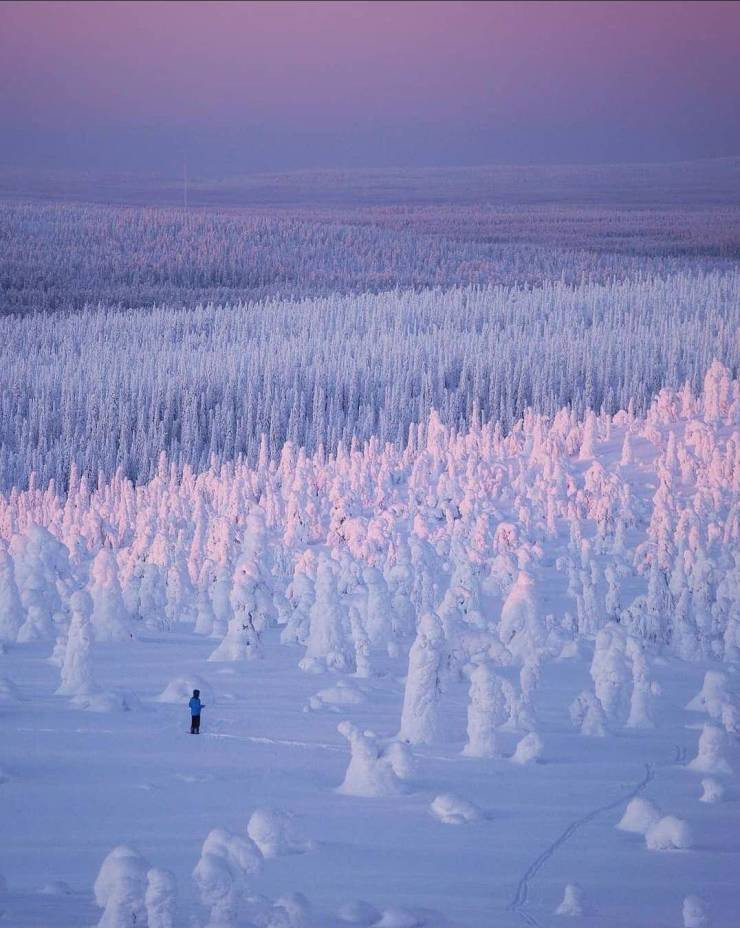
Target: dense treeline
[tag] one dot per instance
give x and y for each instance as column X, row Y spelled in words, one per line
column 56, row 256
column 111, row 389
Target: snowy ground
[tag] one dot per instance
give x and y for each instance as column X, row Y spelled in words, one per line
column 80, row 783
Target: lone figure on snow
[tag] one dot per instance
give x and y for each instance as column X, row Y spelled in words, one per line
column 195, row 706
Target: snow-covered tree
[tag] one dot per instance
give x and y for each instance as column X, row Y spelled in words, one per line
column 420, row 713
column 12, row 615
column 328, row 644
column 76, row 674
column 120, row 888
column 371, row 772
column 109, row 616
column 221, row 875
column 160, row 898
column 487, row 710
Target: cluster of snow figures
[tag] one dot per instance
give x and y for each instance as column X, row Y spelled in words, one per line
column 479, row 555
column 109, row 390
column 130, row 892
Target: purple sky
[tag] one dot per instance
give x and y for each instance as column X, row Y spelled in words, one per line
column 260, row 86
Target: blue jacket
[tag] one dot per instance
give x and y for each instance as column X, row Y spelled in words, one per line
column 195, row 705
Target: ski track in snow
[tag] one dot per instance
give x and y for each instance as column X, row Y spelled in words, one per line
column 522, row 892
column 259, row 739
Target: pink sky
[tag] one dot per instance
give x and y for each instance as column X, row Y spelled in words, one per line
column 489, row 69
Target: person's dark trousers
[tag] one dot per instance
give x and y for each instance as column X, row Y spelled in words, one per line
column 195, row 725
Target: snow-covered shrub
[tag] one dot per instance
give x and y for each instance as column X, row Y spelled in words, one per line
column 528, row 750
column 713, row 696
column 587, row 715
column 275, row 833
column 694, row 913
column 668, row 834
column 574, row 901
column 712, row 790
column 370, row 772
column 639, row 816
column 401, row 759
column 452, row 810
column 710, row 757
column 226, row 861
column 120, row 888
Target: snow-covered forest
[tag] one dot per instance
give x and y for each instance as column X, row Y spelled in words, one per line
column 108, row 390
column 638, row 514
column 70, row 256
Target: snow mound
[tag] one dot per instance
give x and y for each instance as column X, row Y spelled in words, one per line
column 529, row 749
column 668, row 834
column 574, row 901
column 694, row 913
column 710, row 757
column 569, row 651
column 55, row 888
column 343, row 694
column 359, row 912
column 179, row 691
column 275, row 834
column 399, row 918
column 639, row 816
column 117, row 700
column 451, row 810
column 292, row 911
column 714, row 791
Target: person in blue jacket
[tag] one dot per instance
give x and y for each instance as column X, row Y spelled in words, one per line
column 195, row 706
